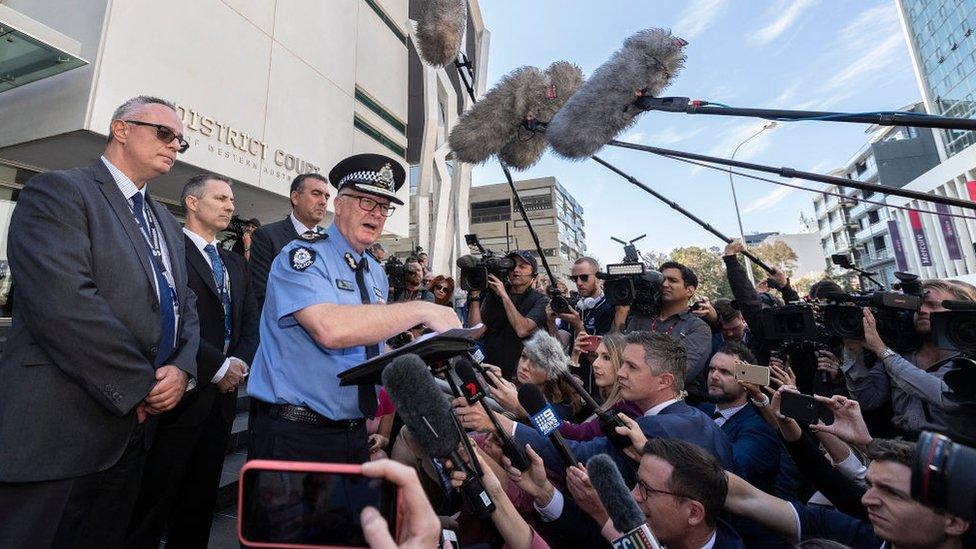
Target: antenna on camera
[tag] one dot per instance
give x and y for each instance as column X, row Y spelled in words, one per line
column 844, row 261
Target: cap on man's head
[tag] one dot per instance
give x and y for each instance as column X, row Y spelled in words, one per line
column 526, row 256
column 374, row 174
column 253, row 221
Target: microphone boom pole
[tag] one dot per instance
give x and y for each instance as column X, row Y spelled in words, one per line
column 752, row 257
column 810, row 176
column 890, row 118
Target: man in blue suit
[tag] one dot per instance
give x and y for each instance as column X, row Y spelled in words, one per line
column 756, row 447
column 651, row 376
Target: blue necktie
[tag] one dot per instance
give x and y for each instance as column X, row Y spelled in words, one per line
column 218, row 271
column 167, row 315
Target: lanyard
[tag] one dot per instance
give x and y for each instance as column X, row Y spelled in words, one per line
column 152, row 237
column 668, row 331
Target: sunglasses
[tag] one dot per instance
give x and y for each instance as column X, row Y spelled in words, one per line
column 582, row 278
column 163, row 133
column 440, row 288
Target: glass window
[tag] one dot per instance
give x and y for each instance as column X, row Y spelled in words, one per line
column 491, row 210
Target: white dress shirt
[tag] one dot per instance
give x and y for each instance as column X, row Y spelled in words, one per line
column 726, row 414
column 300, row 227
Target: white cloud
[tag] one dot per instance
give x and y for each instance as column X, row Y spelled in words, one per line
column 781, row 24
column 698, row 16
column 769, row 200
column 634, row 137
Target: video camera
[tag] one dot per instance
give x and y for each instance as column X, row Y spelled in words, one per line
column 476, row 268
column 396, row 272
column 631, row 282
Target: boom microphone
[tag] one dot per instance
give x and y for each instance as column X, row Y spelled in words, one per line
column 545, row 420
column 603, row 106
column 627, row 517
column 607, row 420
column 440, row 27
column 474, row 392
column 427, row 412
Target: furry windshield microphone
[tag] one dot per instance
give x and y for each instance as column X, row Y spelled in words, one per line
column 626, row 515
column 426, row 411
column 526, row 147
column 440, row 28
column 603, row 106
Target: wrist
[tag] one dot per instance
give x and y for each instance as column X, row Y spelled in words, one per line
column 544, row 497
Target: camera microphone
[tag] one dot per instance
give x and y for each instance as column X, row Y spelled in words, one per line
column 474, row 392
column 426, row 411
column 440, row 27
column 627, row 517
column 607, row 420
column 604, row 105
column 545, row 420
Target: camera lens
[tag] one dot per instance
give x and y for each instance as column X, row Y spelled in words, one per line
column 961, row 332
column 941, row 475
column 843, row 321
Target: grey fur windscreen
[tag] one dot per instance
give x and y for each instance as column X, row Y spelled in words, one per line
column 422, row 406
column 440, row 28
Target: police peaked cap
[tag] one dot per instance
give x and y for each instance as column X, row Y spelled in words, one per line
column 374, row 174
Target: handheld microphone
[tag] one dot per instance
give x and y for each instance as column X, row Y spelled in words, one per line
column 440, row 28
column 427, row 412
column 604, row 105
column 607, row 420
column 474, row 392
column 627, row 517
column 545, row 420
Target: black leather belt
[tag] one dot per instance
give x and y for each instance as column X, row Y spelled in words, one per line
column 303, row 414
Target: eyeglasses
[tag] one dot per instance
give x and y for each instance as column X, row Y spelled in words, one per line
column 582, row 278
column 440, row 288
column 163, row 133
column 368, row 204
column 646, row 490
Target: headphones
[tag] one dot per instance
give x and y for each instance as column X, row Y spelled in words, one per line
column 588, row 303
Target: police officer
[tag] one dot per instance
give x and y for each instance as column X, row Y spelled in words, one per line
column 325, row 313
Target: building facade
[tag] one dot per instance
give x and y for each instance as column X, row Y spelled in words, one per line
column 834, row 223
column 439, row 184
column 555, row 215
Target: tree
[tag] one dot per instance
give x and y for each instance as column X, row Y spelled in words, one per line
column 708, row 266
column 774, row 253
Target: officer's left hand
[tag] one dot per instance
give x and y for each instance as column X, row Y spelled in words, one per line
column 169, row 389
column 496, row 285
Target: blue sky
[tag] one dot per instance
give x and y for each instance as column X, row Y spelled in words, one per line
column 844, row 55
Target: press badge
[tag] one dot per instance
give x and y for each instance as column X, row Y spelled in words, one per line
column 345, row 285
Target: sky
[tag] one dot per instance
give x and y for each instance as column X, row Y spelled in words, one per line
column 841, row 55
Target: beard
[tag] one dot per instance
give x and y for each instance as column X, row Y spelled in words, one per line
column 721, row 398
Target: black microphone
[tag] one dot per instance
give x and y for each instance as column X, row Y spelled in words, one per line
column 627, row 517
column 474, row 392
column 608, row 420
column 604, row 105
column 440, row 27
column 545, row 420
column 427, row 412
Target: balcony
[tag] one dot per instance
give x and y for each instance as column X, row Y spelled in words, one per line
column 862, row 208
column 878, row 257
column 873, row 230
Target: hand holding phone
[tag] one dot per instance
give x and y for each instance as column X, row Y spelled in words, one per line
column 590, row 343
column 752, row 373
column 805, row 409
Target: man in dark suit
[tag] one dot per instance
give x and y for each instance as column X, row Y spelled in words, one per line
column 309, row 198
column 104, row 337
column 756, row 447
column 182, row 474
column 651, row 376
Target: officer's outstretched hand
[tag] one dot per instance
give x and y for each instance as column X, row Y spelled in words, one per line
column 438, row 317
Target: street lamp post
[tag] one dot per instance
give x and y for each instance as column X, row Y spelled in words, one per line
column 735, row 200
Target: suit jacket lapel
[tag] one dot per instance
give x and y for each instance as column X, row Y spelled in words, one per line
column 195, row 258
column 121, row 207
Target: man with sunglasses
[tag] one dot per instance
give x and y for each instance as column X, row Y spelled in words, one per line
column 104, row 336
column 324, row 313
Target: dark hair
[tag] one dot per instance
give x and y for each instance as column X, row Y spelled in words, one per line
column 196, row 184
column 687, row 275
column 886, row 449
column 725, row 310
column 299, row 182
column 667, row 354
column 738, row 350
column 823, row 286
column 696, row 473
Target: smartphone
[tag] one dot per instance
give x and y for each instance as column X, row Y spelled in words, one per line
column 590, row 343
column 294, row 504
column 752, row 373
column 804, row 408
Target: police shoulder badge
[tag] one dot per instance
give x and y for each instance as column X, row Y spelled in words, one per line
column 301, row 258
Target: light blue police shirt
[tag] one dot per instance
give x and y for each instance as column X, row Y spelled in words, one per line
column 290, row 367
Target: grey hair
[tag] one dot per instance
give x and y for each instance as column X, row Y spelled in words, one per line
column 377, row 246
column 546, row 353
column 132, row 105
column 196, row 185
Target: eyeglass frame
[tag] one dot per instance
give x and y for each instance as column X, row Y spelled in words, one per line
column 161, row 131
column 440, row 287
column 585, row 277
column 644, row 488
column 389, row 207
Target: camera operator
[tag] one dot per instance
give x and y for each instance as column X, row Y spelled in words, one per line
column 243, row 244
column 378, row 252
column 510, row 314
column 593, row 314
column 676, row 320
column 413, row 288
column 912, row 382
